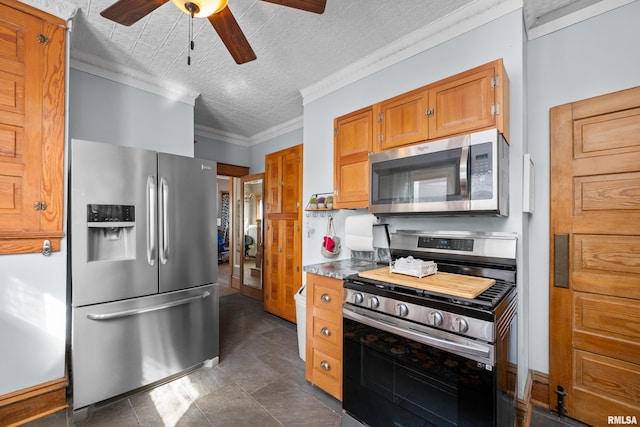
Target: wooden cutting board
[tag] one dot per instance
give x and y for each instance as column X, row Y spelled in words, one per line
column 445, row 283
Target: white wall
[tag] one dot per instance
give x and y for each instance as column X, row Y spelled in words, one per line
column 220, row 151
column 591, row 58
column 104, row 110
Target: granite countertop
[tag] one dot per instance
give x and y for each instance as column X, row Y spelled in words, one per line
column 341, row 268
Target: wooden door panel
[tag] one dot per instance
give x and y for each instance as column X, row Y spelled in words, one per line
column 272, row 183
column 291, row 162
column 607, row 193
column 607, row 134
column 603, row 376
column 355, row 134
column 595, row 199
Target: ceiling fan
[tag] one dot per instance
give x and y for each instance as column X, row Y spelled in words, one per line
column 128, row 12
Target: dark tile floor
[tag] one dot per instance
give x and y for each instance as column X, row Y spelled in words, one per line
column 258, row 382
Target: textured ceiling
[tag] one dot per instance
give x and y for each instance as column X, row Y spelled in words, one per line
column 295, row 50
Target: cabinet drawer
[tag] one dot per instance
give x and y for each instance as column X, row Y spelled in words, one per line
column 327, row 298
column 326, row 366
column 327, row 332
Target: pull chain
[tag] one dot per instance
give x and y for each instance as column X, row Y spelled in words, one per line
column 193, row 9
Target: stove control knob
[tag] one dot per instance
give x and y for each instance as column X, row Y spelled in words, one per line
column 435, row 318
column 402, row 310
column 373, row 302
column 461, row 324
column 358, row 298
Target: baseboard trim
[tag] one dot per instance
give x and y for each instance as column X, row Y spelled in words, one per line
column 35, row 402
column 536, row 392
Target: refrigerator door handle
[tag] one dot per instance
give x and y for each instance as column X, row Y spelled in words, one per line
column 136, row 311
column 164, row 226
column 152, row 204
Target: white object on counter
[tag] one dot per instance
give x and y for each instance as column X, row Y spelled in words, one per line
column 358, row 232
column 413, row 267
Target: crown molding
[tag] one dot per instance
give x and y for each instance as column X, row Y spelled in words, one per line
column 57, row 8
column 128, row 76
column 276, row 131
column 474, row 15
column 222, row 136
column 569, row 15
column 232, row 138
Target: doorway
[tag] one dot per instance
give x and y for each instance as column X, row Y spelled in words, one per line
column 594, row 293
column 252, row 236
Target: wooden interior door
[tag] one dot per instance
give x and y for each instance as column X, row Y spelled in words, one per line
column 594, row 291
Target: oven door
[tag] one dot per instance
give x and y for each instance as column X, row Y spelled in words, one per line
column 395, row 380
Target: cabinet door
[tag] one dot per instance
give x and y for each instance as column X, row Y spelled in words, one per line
column 464, row 103
column 31, row 131
column 273, row 184
column 402, row 120
column 291, row 180
column 353, row 141
column 283, row 275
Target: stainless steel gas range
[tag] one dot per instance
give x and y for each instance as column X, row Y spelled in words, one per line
column 414, row 356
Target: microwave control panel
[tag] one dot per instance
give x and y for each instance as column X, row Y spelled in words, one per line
column 481, row 171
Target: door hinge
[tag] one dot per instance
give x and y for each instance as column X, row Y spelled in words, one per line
column 297, row 269
column 495, row 81
column 298, row 159
column 380, row 117
column 495, row 110
column 380, row 138
column 40, row 206
column 41, row 38
column 335, row 131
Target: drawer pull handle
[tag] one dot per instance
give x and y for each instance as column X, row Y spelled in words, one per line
column 325, row 365
column 325, row 298
column 325, row 331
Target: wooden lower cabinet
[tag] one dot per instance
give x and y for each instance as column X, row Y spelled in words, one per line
column 324, row 334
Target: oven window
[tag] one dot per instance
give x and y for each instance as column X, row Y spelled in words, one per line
column 393, row 381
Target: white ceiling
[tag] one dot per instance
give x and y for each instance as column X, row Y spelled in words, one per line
column 295, row 51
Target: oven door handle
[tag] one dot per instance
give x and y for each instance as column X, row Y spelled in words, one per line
column 415, row 334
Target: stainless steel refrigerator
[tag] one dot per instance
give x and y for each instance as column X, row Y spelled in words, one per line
column 143, row 245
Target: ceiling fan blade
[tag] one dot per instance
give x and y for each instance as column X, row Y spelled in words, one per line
column 315, row 6
column 232, row 36
column 128, row 12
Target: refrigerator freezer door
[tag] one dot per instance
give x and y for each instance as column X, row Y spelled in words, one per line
column 112, row 226
column 128, row 344
column 187, row 244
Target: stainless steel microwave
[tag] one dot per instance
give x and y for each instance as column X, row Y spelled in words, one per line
column 466, row 174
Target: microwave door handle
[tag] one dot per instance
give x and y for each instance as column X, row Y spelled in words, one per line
column 464, row 172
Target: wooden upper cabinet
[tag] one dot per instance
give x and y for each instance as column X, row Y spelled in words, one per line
column 353, row 141
column 283, row 181
column 402, row 119
column 32, row 85
column 473, row 100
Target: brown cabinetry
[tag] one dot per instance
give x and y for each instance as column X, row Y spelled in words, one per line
column 473, row 100
column 324, row 333
column 353, row 141
column 283, row 242
column 32, row 76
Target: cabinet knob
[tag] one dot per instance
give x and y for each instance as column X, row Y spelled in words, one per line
column 325, row 298
column 40, row 206
column 429, row 112
column 325, row 331
column 325, row 365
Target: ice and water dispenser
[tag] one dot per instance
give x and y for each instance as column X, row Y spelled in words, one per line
column 111, row 232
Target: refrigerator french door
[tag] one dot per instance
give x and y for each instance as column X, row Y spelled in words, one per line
column 143, row 268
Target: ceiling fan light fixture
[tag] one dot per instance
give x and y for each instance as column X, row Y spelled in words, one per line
column 202, row 9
